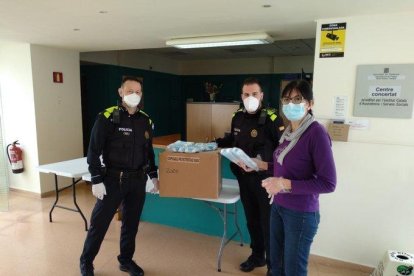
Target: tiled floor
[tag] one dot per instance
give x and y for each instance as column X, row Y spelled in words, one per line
column 30, row 245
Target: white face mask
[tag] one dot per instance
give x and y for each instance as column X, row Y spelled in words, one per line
column 251, row 104
column 132, row 100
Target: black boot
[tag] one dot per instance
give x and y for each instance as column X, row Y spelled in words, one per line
column 251, row 263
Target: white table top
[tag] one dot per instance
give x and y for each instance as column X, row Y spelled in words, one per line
column 229, row 193
column 71, row 168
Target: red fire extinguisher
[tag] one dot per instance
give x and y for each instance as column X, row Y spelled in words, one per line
column 15, row 155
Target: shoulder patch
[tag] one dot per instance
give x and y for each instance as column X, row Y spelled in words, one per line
column 271, row 112
column 237, row 111
column 149, row 119
column 107, row 112
column 142, row 112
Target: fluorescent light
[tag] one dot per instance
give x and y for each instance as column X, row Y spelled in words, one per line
column 220, row 40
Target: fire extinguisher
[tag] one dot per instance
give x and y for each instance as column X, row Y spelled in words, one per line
column 15, row 155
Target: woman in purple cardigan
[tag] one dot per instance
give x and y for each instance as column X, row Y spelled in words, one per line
column 303, row 167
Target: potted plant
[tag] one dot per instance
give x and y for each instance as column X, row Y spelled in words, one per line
column 212, row 90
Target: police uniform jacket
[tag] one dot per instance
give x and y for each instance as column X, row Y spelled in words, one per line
column 256, row 134
column 125, row 142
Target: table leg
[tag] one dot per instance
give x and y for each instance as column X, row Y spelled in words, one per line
column 76, row 204
column 223, row 238
column 74, row 200
column 56, row 200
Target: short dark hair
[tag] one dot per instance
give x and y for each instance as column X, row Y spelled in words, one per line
column 130, row 78
column 302, row 86
column 252, row 80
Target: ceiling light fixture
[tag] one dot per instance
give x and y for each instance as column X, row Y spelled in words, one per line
column 220, row 40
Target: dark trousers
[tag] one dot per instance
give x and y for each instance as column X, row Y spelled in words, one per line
column 131, row 193
column 257, row 210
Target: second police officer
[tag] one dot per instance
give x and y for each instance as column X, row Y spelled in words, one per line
column 256, row 130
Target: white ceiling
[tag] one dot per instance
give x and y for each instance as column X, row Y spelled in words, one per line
column 141, row 24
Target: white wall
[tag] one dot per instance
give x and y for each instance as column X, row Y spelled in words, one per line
column 265, row 65
column 132, row 59
column 57, row 107
column 18, row 110
column 45, row 117
column 372, row 209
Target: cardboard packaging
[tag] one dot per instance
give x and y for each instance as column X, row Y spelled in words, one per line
column 190, row 174
column 338, row 132
column 395, row 263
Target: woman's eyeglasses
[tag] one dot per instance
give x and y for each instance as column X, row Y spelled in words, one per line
column 295, row 100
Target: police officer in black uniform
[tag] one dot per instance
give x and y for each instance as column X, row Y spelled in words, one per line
column 256, row 130
column 123, row 136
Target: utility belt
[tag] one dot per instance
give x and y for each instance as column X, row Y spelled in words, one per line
column 124, row 173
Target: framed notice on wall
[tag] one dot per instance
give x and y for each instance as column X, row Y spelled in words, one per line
column 384, row 91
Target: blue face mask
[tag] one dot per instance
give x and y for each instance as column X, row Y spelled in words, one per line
column 294, row 112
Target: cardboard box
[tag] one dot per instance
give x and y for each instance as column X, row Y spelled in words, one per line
column 190, row 174
column 338, row 132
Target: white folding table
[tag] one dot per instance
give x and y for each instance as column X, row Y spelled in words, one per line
column 74, row 169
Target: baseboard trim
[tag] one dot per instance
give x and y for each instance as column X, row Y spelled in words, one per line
column 47, row 194
column 342, row 264
column 33, row 194
column 25, row 193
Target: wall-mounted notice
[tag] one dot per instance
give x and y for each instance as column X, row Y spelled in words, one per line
column 332, row 43
column 384, row 91
column 340, row 107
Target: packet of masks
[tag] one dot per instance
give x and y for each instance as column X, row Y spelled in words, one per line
column 237, row 155
column 191, row 147
column 179, row 146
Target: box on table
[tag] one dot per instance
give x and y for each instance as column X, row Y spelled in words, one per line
column 190, row 174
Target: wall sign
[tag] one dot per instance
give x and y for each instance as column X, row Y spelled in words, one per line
column 332, row 40
column 58, row 77
column 340, row 107
column 384, row 91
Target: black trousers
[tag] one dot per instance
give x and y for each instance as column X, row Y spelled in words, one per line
column 130, row 192
column 257, row 210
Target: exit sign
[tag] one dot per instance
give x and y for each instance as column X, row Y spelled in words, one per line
column 58, row 77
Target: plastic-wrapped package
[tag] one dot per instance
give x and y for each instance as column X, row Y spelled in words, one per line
column 179, row 146
column 191, row 147
column 245, row 158
column 229, row 155
column 237, row 155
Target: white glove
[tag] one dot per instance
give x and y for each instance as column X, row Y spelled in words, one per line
column 156, row 186
column 99, row 190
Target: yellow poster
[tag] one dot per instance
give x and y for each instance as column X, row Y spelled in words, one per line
column 332, row 40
